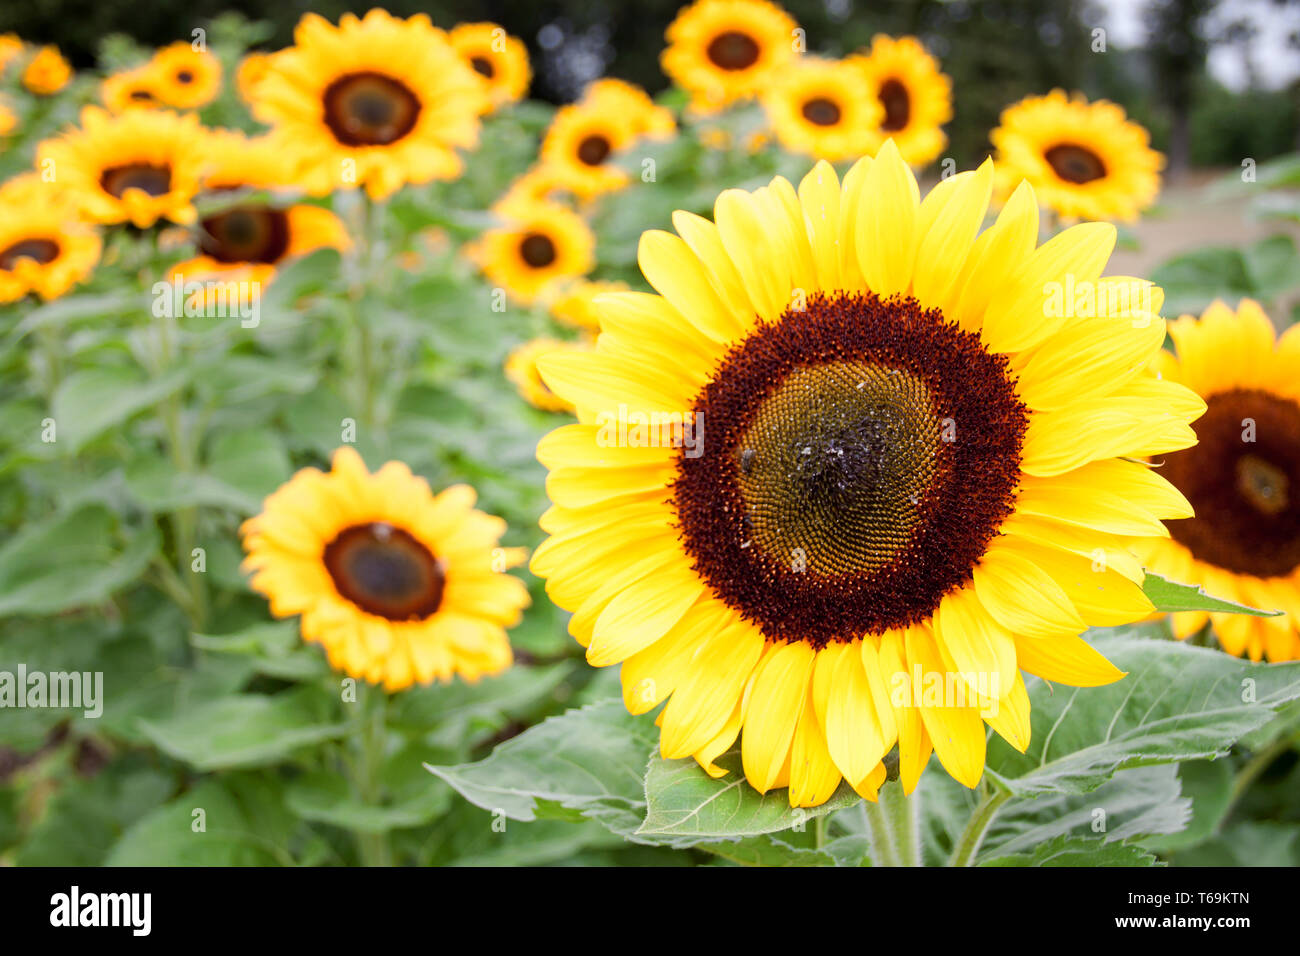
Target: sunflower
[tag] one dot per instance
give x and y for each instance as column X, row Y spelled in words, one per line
column 535, row 251
column 581, row 142
column 399, row 585
column 139, row 166
column 725, row 50
column 1243, row 478
column 252, row 68
column 377, row 102
column 521, row 370
column 647, row 118
column 823, row 109
column 184, row 77
column 8, row 119
column 500, row 59
column 577, row 305
column 130, row 89
column 249, row 240
column 47, row 72
column 1085, row 160
column 912, row 463
column 542, row 183
column 44, row 247
column 915, row 95
column 11, row 47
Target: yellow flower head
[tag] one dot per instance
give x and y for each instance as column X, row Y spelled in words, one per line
column 542, row 183
column 376, row 102
column 131, row 89
column 500, row 59
column 184, row 77
column 1242, row 477
column 399, row 585
column 45, row 248
column 581, row 144
column 1084, row 160
column 851, row 451
column 521, row 370
column 139, row 166
column 252, row 69
column 577, row 306
column 11, row 47
column 48, row 72
column 646, row 117
column 538, row 250
column 823, row 109
column 721, row 51
column 915, row 96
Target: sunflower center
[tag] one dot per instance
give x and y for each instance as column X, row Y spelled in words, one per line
column 537, row 250
column 898, row 105
column 482, row 66
column 593, row 150
column 385, row 571
column 40, row 251
column 1074, row 163
column 184, row 76
column 153, row 180
column 369, row 109
column 862, row 454
column 733, row 50
column 1239, row 479
column 821, row 111
column 141, row 96
column 245, row 234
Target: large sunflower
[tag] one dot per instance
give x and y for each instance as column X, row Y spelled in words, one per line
column 1243, row 478
column 877, row 454
column 1084, row 160
column 45, row 248
column 824, row 109
column 915, row 95
column 139, row 166
column 184, row 77
column 725, row 50
column 580, row 144
column 377, row 102
column 536, row 251
column 399, row 585
column 500, row 59
column 248, row 240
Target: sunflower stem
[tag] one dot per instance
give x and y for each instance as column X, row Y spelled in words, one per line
column 372, row 847
column 972, row 837
column 1253, row 768
column 878, row 835
column 904, row 822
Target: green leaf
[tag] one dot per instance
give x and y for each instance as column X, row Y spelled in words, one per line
column 1208, row 786
column 588, row 762
column 685, row 805
column 1068, row 851
column 245, row 730
column 768, row 850
column 1248, row 843
column 1169, row 596
column 325, row 797
column 1177, row 703
column 89, row 402
column 72, row 559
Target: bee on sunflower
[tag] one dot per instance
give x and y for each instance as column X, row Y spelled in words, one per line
column 721, row 51
column 184, row 77
column 376, row 102
column 1242, row 477
column 909, row 472
column 1084, row 160
column 500, row 59
column 138, row 166
column 823, row 109
column 536, row 251
column 915, row 97
column 45, row 247
column 399, row 585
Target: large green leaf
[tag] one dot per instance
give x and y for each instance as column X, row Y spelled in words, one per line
column 91, row 401
column 1075, row 851
column 1170, row 596
column 1177, row 703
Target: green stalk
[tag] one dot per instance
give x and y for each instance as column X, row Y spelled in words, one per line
column 904, row 816
column 879, row 836
column 972, row 837
column 373, row 848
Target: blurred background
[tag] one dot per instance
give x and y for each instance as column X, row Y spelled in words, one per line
column 1214, row 80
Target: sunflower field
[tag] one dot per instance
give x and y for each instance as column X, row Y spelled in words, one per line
column 396, row 469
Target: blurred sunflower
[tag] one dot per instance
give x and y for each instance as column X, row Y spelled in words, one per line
column 400, row 586
column 823, row 109
column 1243, row 478
column 577, row 305
column 377, row 102
column 47, row 72
column 851, row 336
column 521, row 371
column 11, row 47
column 1085, row 160
column 130, row 89
column 915, row 95
column 536, row 251
column 44, row 247
column 252, row 69
column 139, row 166
column 581, row 142
column 249, row 240
column 8, row 119
column 646, row 117
column 184, row 77
column 721, row 51
column 502, row 60
column 542, row 183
